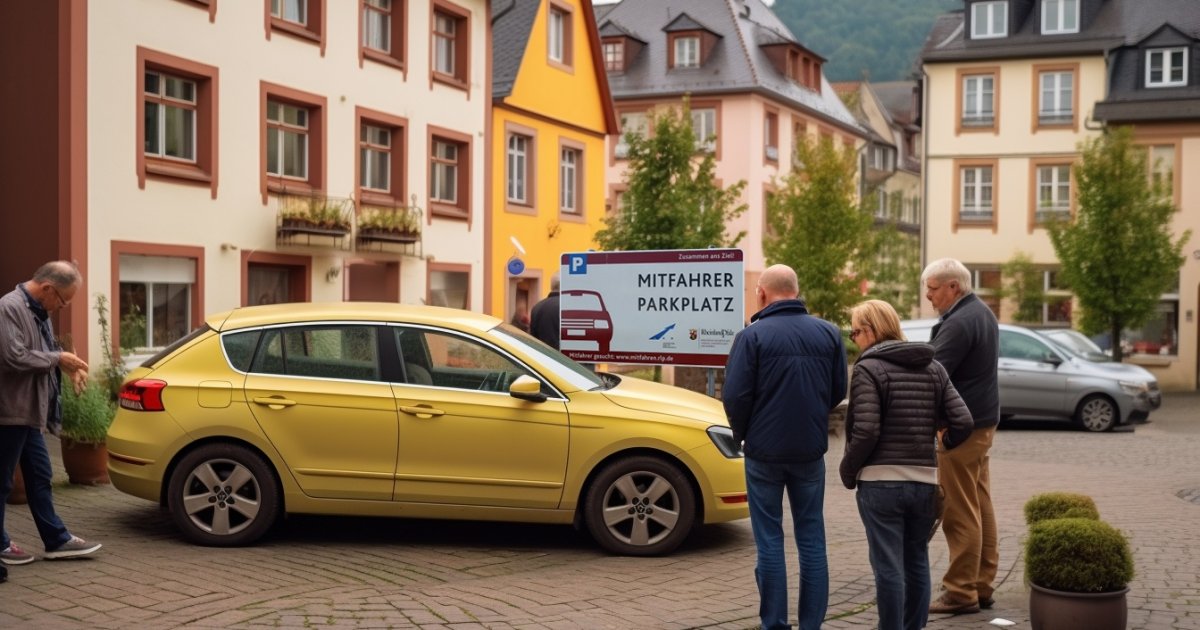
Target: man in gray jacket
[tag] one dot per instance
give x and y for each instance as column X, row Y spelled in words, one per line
column 966, row 342
column 31, row 366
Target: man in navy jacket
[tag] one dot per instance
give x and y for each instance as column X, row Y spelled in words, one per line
column 785, row 373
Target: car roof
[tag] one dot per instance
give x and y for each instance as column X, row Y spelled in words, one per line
column 252, row 316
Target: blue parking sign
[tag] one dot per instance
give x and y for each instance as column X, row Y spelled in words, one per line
column 577, row 264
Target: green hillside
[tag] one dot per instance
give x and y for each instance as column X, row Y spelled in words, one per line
column 882, row 37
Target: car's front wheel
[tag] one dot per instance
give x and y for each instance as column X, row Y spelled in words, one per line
column 223, row 495
column 1097, row 413
column 640, row 506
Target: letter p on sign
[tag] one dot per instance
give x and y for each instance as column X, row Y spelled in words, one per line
column 577, row 264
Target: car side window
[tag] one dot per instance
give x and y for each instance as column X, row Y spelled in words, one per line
column 239, row 347
column 343, row 351
column 1014, row 346
column 445, row 360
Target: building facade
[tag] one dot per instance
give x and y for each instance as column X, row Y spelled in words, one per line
column 1011, row 87
column 207, row 155
column 551, row 113
column 754, row 90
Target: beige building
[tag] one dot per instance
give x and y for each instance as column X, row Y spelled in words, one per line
column 1010, row 89
column 196, row 156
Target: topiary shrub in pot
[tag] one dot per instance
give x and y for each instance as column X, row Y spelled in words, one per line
column 1060, row 505
column 1078, row 570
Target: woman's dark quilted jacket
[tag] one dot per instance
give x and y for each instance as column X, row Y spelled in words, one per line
column 899, row 398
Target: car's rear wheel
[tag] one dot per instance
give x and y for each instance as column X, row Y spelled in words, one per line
column 223, row 495
column 640, row 506
column 1096, row 413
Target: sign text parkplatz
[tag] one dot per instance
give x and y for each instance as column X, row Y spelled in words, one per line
column 662, row 307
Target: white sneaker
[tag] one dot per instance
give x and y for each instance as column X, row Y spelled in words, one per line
column 72, row 549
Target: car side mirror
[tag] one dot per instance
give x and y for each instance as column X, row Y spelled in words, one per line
column 528, row 388
column 1052, row 359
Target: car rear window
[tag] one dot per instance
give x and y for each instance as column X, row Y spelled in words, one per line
column 179, row 343
column 239, row 348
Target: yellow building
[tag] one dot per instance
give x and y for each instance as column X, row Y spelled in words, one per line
column 551, row 113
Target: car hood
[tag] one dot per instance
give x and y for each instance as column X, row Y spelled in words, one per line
column 1123, row 371
column 642, row 395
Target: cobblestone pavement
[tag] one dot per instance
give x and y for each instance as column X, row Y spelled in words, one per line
column 391, row 573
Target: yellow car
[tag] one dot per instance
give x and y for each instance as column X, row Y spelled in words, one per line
column 414, row 411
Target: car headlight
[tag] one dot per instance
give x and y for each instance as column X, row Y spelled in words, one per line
column 722, row 438
column 601, row 324
column 1133, row 388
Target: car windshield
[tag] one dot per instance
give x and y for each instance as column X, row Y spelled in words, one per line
column 553, row 360
column 581, row 302
column 1076, row 346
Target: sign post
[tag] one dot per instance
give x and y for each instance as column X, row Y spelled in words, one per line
column 660, row 307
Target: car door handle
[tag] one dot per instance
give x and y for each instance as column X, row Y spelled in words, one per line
column 422, row 411
column 274, row 402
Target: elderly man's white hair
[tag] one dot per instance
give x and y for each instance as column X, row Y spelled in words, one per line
column 947, row 269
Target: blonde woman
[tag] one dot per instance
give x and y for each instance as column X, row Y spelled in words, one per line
column 901, row 403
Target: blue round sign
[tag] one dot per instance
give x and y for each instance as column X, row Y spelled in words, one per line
column 515, row 266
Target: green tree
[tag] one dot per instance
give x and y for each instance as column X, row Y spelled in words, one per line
column 817, row 225
column 672, row 200
column 1118, row 255
column 1023, row 284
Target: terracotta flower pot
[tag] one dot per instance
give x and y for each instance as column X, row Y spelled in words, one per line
column 17, row 495
column 86, row 463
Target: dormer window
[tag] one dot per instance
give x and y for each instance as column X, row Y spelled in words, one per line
column 614, row 55
column 1166, row 67
column 989, row 19
column 687, row 51
column 1060, row 17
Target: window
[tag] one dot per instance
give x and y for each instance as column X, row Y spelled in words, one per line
column 704, row 124
column 272, row 278
column 687, row 52
column 976, row 199
column 299, row 18
column 1056, row 98
column 559, row 40
column 978, row 97
column 570, row 180
column 631, row 123
column 1060, row 16
column 382, row 32
column 1160, row 334
column 445, row 360
column 1166, row 67
column 1056, row 309
column 177, row 119
column 381, row 158
column 1053, row 192
column 987, row 284
column 989, row 19
column 170, row 117
column 517, row 172
column 331, row 351
column 881, row 211
column 614, row 56
column 1161, row 160
column 881, row 158
column 293, row 140
column 449, row 173
column 451, row 34
column 155, row 300
column 449, row 285
column 295, row 11
column 771, row 136
column 287, row 140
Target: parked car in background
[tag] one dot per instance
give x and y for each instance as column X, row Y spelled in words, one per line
column 1041, row 379
column 415, row 411
column 1076, row 342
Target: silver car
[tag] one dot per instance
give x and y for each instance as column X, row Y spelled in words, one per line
column 1041, row 379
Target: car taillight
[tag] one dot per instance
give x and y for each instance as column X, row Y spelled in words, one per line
column 144, row 394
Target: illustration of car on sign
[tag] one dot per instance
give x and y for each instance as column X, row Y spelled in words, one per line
column 583, row 317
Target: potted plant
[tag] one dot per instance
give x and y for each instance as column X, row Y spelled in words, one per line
column 88, row 414
column 390, row 224
column 1052, row 505
column 1078, row 569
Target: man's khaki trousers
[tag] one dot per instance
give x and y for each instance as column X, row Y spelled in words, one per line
column 969, row 522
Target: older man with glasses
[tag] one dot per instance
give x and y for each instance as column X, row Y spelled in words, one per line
column 966, row 341
column 31, row 367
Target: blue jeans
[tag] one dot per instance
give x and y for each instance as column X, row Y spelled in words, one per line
column 898, row 516
column 25, row 445
column 805, row 485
